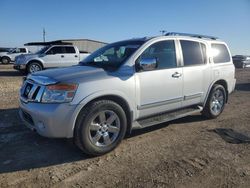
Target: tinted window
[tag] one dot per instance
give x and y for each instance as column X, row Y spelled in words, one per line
column 22, row 50
column 193, row 53
column 164, row 52
column 56, row 50
column 220, row 53
column 16, row 50
column 70, row 50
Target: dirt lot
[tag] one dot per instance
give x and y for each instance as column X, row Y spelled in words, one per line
column 190, row 152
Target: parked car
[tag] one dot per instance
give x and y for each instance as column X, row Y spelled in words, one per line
column 129, row 85
column 49, row 57
column 9, row 56
column 241, row 61
column 5, row 49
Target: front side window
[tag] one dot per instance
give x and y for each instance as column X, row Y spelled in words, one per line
column 112, row 55
column 220, row 53
column 164, row 52
column 55, row 50
column 14, row 51
column 194, row 53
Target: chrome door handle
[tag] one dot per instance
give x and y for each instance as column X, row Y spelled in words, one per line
column 62, row 55
column 176, row 75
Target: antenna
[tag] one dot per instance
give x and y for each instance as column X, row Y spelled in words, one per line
column 44, row 34
column 163, row 32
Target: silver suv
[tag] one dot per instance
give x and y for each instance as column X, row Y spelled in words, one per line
column 128, row 85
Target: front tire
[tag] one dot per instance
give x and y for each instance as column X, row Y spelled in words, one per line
column 34, row 67
column 215, row 103
column 100, row 127
column 5, row 60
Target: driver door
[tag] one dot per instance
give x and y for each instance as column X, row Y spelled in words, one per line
column 159, row 90
column 54, row 57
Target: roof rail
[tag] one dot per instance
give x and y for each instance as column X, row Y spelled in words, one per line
column 190, row 35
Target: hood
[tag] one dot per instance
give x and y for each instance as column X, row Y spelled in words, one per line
column 74, row 74
column 28, row 56
column 3, row 53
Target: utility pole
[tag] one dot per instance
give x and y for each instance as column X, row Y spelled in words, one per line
column 44, row 34
column 163, row 32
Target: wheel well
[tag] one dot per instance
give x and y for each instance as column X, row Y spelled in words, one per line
column 122, row 102
column 224, row 84
column 5, row 57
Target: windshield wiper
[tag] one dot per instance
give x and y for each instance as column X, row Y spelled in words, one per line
column 102, row 65
column 92, row 64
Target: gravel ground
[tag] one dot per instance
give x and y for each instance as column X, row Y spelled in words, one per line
column 189, row 152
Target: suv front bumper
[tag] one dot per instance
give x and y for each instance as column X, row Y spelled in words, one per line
column 19, row 67
column 49, row 120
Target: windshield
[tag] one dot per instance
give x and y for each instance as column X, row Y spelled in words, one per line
column 13, row 50
column 43, row 50
column 112, row 55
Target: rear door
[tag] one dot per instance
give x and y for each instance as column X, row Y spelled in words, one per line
column 196, row 72
column 71, row 56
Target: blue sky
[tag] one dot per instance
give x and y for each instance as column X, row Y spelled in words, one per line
column 22, row 21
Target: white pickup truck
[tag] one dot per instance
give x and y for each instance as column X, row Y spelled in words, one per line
column 49, row 57
column 7, row 57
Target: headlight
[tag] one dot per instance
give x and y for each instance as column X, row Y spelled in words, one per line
column 59, row 93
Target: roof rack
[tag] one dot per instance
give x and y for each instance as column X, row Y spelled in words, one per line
column 190, row 35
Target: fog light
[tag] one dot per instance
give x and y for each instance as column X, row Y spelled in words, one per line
column 40, row 125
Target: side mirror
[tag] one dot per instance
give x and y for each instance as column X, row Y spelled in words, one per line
column 148, row 64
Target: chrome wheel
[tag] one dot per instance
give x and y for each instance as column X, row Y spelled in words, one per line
column 34, row 68
column 104, row 128
column 217, row 102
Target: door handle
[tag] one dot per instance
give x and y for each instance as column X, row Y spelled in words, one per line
column 62, row 55
column 76, row 55
column 176, row 75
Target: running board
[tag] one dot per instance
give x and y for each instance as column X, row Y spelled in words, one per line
column 168, row 116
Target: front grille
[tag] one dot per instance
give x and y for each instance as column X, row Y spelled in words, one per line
column 27, row 117
column 31, row 92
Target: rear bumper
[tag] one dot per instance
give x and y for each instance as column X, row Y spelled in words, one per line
column 232, row 86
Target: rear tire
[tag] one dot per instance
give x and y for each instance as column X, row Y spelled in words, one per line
column 5, row 60
column 215, row 103
column 100, row 127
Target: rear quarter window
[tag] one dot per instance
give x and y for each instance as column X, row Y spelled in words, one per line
column 220, row 53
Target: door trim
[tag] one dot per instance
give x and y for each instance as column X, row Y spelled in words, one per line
column 193, row 96
column 159, row 103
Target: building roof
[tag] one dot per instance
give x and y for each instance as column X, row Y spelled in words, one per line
column 59, row 42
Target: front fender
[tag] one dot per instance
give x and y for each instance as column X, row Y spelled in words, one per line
column 34, row 59
column 93, row 96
